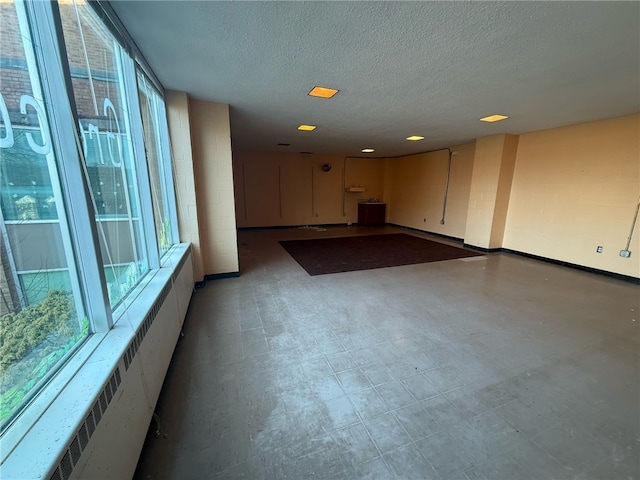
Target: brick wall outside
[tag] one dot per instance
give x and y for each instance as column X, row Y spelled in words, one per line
column 14, row 78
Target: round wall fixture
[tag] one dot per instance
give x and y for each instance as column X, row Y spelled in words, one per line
column 326, row 167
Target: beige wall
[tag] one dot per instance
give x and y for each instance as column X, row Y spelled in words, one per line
column 493, row 165
column 274, row 189
column 503, row 192
column 213, row 170
column 363, row 172
column 415, row 187
column 203, row 176
column 177, row 104
column 575, row 188
column 556, row 193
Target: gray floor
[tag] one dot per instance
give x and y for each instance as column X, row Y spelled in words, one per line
column 495, row 367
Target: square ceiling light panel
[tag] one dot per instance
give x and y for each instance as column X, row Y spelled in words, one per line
column 322, row 92
column 494, row 118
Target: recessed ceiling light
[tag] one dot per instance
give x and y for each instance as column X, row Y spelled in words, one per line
column 322, row 92
column 415, row 138
column 494, row 118
column 307, row 128
column 368, row 150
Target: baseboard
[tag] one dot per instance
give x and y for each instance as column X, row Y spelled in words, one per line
column 482, row 249
column 597, row 271
column 562, row 263
column 287, row 227
column 441, row 235
column 215, row 276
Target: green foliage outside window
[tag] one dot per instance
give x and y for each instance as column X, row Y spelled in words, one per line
column 32, row 341
column 165, row 235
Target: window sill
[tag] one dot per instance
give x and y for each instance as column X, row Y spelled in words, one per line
column 33, row 445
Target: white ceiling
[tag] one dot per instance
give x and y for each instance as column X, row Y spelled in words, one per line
column 402, row 68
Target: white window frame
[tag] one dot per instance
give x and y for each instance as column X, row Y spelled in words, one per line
column 77, row 219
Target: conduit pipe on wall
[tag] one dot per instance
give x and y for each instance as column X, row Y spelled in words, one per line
column 446, row 190
column 446, row 187
column 633, row 226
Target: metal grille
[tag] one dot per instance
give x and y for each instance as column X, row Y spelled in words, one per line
column 80, row 440
column 131, row 351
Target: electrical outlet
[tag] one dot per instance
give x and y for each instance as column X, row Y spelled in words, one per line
column 625, row 253
column 599, row 249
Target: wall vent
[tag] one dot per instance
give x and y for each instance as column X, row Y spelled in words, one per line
column 78, row 444
column 80, row 440
column 145, row 326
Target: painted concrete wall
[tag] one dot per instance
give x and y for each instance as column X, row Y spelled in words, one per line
column 556, row 193
column 363, row 172
column 575, row 188
column 493, row 166
column 213, row 172
column 203, row 178
column 415, row 188
column 177, row 104
column 503, row 192
column 275, row 189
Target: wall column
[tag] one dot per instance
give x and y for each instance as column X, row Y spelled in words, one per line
column 177, row 104
column 213, row 169
column 493, row 167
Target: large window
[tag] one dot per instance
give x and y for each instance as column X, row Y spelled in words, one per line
column 41, row 307
column 86, row 199
column 97, row 63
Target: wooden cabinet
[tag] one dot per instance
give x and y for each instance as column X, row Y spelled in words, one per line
column 371, row 213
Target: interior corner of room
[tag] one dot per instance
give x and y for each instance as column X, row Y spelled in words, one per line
column 554, row 194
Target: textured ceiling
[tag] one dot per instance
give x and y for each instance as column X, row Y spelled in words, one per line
column 403, row 68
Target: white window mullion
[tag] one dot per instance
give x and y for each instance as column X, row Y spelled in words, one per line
column 167, row 170
column 32, row 68
column 78, row 217
column 134, row 117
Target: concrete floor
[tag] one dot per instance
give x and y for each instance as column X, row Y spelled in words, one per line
column 493, row 367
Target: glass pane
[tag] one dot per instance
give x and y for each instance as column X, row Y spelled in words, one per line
column 96, row 64
column 152, row 124
column 26, row 192
column 41, row 318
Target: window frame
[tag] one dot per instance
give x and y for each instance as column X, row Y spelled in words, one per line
column 56, row 78
column 142, row 236
column 165, row 167
column 78, row 219
column 167, row 164
column 140, row 160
